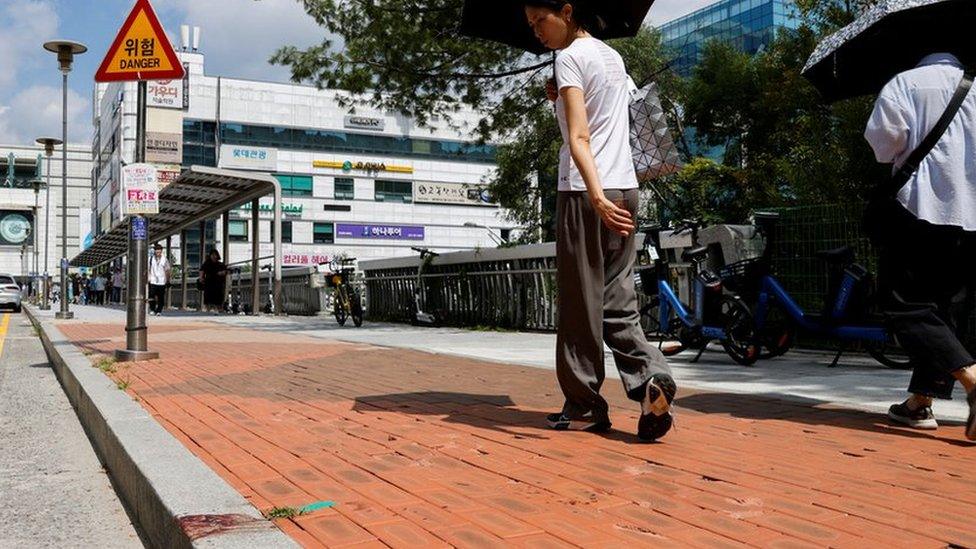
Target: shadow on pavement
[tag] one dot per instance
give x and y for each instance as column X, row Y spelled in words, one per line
column 803, row 412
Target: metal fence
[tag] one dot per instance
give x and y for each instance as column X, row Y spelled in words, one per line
column 301, row 291
column 511, row 288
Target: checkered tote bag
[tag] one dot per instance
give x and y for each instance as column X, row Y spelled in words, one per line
column 655, row 154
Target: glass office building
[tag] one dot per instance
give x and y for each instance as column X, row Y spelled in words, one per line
column 749, row 25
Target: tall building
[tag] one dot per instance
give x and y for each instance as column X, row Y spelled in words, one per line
column 749, row 25
column 360, row 182
column 21, row 221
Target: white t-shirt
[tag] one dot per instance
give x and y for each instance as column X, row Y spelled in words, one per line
column 598, row 70
column 157, row 271
column 942, row 191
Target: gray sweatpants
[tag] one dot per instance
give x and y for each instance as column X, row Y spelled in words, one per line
column 597, row 302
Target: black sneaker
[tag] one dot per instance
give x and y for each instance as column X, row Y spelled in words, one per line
column 971, row 422
column 562, row 422
column 922, row 418
column 656, row 416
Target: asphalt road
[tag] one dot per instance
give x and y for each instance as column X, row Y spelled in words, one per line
column 53, row 490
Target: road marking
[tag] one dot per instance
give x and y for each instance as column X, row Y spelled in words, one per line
column 3, row 330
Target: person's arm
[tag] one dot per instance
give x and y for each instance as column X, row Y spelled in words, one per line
column 615, row 218
column 888, row 129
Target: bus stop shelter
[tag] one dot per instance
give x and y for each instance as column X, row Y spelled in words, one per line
column 199, row 194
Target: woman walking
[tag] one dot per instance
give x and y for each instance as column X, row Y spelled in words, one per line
column 213, row 273
column 596, row 248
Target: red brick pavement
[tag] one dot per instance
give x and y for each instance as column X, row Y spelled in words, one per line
column 418, row 449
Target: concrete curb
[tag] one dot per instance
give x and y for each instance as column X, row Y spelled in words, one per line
column 176, row 499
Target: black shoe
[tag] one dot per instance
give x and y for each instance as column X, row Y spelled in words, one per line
column 922, row 418
column 562, row 422
column 656, row 416
column 971, row 422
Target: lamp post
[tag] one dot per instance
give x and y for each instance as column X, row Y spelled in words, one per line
column 49, row 144
column 37, row 185
column 66, row 50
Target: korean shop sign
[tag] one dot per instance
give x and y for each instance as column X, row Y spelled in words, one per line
column 248, row 158
column 453, row 193
column 379, row 232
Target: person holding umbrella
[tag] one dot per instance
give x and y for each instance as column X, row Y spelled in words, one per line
column 596, row 247
column 923, row 219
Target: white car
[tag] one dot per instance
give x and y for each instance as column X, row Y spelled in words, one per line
column 9, row 292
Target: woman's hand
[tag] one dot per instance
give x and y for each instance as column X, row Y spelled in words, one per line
column 551, row 92
column 614, row 217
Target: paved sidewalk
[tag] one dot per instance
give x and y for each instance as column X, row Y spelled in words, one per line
column 415, row 448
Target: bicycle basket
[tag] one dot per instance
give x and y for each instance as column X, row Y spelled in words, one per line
column 743, row 277
column 648, row 280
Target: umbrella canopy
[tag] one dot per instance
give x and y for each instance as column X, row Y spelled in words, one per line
column 889, row 38
column 504, row 21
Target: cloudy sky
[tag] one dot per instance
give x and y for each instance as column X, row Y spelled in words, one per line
column 30, row 85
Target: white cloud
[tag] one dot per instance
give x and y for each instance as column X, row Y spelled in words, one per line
column 26, row 24
column 666, row 10
column 36, row 112
column 239, row 36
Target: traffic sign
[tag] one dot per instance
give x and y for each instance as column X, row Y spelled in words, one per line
column 141, row 50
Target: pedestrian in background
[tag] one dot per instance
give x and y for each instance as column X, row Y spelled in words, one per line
column 596, row 246
column 159, row 273
column 117, row 284
column 213, row 274
column 928, row 252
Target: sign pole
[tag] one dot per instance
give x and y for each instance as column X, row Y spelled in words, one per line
column 136, row 337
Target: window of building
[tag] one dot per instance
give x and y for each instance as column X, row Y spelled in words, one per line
column 237, row 230
column 394, row 191
column 285, row 232
column 345, row 188
column 323, row 233
column 295, row 185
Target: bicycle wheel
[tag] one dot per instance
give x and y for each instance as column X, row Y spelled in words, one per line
column 740, row 341
column 667, row 341
column 778, row 333
column 339, row 306
column 356, row 309
column 890, row 354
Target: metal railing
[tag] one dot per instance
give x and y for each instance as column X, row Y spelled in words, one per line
column 301, row 291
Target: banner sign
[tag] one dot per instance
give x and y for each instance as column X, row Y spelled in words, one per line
column 164, row 148
column 167, row 94
column 379, row 232
column 452, row 193
column 248, row 158
column 140, row 190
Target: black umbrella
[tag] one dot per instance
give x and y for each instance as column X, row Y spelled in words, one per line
column 504, row 21
column 889, row 38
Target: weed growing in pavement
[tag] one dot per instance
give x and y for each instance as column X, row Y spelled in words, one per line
column 123, row 383
column 282, row 513
column 106, row 364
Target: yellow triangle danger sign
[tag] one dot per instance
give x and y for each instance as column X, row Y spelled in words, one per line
column 141, row 50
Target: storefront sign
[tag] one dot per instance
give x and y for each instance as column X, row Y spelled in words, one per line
column 286, row 209
column 379, row 232
column 167, row 173
column 167, row 94
column 309, row 260
column 248, row 158
column 365, row 123
column 452, row 193
column 140, row 190
column 15, row 227
column 349, row 166
column 164, row 148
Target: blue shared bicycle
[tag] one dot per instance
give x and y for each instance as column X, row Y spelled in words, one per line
column 715, row 314
column 846, row 318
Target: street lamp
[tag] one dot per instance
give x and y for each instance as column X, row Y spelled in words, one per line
column 37, row 185
column 66, row 50
column 496, row 239
column 49, row 144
